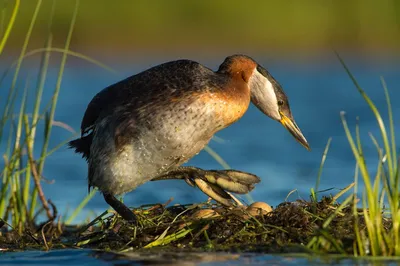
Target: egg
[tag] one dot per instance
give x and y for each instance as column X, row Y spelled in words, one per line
column 258, row 208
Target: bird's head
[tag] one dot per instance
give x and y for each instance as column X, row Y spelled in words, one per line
column 266, row 93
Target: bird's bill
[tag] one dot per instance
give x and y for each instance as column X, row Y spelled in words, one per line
column 291, row 126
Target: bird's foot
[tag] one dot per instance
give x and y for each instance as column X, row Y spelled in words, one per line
column 126, row 213
column 215, row 183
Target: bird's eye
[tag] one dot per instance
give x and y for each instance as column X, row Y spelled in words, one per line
column 280, row 103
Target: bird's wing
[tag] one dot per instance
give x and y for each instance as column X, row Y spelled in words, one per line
column 160, row 83
column 100, row 104
column 101, row 101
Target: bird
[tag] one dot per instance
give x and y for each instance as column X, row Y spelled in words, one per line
column 146, row 126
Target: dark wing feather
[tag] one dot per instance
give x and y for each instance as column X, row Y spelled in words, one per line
column 100, row 102
column 105, row 99
column 147, row 90
column 92, row 113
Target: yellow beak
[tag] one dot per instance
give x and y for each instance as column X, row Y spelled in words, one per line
column 291, row 126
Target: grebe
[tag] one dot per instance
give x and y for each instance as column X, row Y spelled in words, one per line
column 145, row 127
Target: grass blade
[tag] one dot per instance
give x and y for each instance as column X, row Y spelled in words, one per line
column 80, row 206
column 9, row 26
column 321, row 167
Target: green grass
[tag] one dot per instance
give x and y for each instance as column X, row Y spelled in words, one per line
column 380, row 190
column 314, row 190
column 21, row 196
column 10, row 25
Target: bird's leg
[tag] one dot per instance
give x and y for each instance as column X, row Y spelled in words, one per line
column 214, row 182
column 120, row 208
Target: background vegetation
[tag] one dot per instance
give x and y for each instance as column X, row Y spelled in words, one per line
column 291, row 27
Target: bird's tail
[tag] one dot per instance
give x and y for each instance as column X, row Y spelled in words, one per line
column 82, row 145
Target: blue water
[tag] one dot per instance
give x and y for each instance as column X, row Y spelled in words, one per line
column 318, row 90
column 87, row 257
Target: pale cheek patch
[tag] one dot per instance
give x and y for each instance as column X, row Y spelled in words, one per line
column 263, row 95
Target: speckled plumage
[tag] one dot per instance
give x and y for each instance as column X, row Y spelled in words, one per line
column 153, row 122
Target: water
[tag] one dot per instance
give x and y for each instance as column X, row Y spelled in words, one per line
column 88, row 257
column 317, row 90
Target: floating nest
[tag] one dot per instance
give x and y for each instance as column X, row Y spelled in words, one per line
column 289, row 227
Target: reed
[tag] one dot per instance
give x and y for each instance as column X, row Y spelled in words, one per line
column 21, row 196
column 376, row 225
column 381, row 187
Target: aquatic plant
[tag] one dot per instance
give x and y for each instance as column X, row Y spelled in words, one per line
column 383, row 189
column 21, row 176
column 376, row 226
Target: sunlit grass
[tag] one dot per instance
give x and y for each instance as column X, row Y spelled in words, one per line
column 9, row 26
column 22, row 174
column 381, row 189
column 314, row 190
column 13, row 194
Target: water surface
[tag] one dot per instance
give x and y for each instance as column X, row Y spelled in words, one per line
column 88, row 257
column 318, row 91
